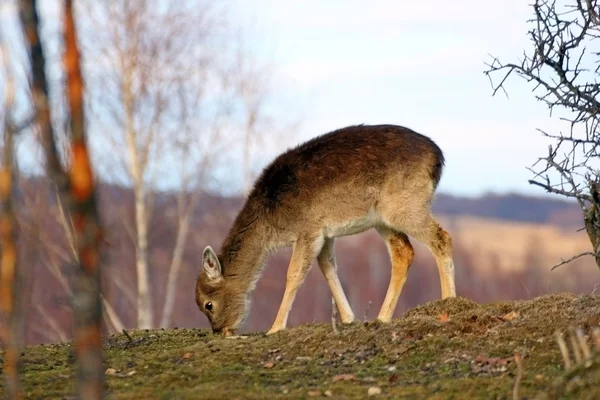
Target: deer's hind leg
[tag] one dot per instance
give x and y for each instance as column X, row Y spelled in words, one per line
column 328, row 266
column 439, row 242
column 417, row 221
column 401, row 254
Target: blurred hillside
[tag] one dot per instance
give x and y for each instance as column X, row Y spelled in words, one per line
column 504, row 248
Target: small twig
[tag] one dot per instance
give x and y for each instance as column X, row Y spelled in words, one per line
column 519, row 362
column 596, row 338
column 563, row 262
column 334, row 316
column 575, row 346
column 564, row 351
column 128, row 336
column 367, row 311
column 583, row 345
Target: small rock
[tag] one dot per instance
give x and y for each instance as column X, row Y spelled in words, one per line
column 236, row 337
column 510, row 316
column 268, row 365
column 303, row 358
column 481, row 358
column 314, row 393
column 111, row 371
column 278, row 358
column 374, row 391
column 328, row 393
column 131, row 373
column 343, row 377
column 391, row 368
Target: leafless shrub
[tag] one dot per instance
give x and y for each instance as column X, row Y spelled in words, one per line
column 562, row 65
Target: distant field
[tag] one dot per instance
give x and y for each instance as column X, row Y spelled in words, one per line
column 514, row 241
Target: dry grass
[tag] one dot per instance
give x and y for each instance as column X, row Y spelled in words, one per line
column 447, row 349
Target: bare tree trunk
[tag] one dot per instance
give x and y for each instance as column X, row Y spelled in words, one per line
column 111, row 315
column 591, row 219
column 87, row 308
column 174, row 269
column 76, row 188
column 249, row 137
column 252, row 99
column 10, row 274
column 144, row 303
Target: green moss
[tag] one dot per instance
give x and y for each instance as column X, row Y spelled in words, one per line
column 417, row 356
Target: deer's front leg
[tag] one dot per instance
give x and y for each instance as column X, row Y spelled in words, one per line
column 303, row 253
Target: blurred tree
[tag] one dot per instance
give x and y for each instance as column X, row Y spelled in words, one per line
column 87, row 310
column 562, row 64
column 11, row 289
column 76, row 189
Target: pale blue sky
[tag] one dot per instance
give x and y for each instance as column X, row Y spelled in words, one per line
column 418, row 64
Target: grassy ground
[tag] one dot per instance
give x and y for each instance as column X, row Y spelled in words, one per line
column 450, row 349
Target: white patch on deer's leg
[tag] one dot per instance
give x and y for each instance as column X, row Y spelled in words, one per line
column 446, row 270
column 297, row 270
column 331, row 276
column 317, row 244
column 346, row 314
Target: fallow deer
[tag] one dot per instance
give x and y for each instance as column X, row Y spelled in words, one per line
column 341, row 183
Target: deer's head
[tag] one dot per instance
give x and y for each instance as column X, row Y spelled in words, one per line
column 221, row 299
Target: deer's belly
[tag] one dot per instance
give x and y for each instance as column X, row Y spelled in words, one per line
column 351, row 226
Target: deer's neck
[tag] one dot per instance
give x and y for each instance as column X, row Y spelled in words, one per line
column 244, row 251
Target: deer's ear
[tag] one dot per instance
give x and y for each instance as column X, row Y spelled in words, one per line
column 211, row 264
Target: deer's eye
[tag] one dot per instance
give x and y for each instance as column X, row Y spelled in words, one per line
column 208, row 306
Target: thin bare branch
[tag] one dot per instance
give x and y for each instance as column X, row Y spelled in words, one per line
column 111, row 316
column 52, row 323
column 563, row 262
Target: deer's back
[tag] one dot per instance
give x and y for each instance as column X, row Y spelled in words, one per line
column 358, row 155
